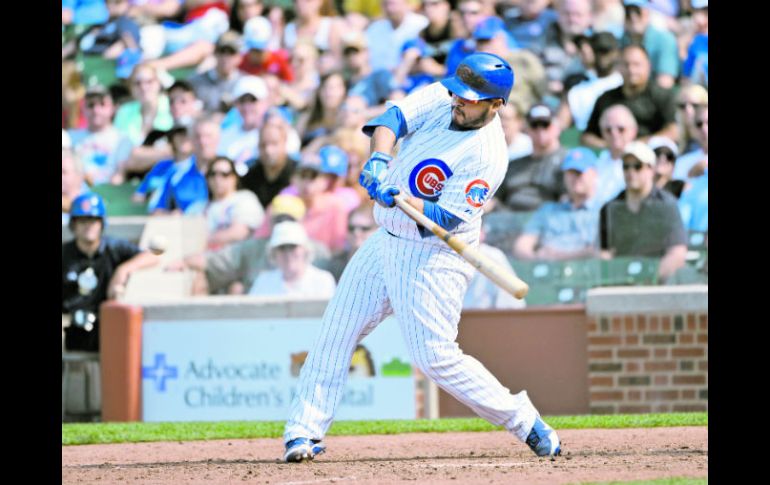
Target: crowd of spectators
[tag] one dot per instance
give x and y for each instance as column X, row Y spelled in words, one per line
column 249, row 113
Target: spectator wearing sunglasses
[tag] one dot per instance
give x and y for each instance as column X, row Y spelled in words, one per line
column 232, row 214
column 652, row 106
column 326, row 218
column 532, row 180
column 660, row 44
column 643, row 220
column 361, row 225
column 690, row 100
column 694, row 164
column 619, row 128
column 567, row 229
column 233, row 268
column 665, row 156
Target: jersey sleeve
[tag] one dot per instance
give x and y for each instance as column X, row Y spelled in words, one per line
column 421, row 104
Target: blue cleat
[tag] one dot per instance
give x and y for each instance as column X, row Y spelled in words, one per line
column 543, row 440
column 302, row 449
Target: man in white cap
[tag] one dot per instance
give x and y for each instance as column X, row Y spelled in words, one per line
column 666, row 152
column 294, row 275
column 643, row 220
column 240, row 143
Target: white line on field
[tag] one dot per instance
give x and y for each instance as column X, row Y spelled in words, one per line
column 322, row 480
column 469, row 465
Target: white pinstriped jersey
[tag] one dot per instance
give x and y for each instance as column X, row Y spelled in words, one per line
column 458, row 170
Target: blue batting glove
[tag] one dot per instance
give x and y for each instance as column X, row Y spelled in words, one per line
column 374, row 172
column 384, row 195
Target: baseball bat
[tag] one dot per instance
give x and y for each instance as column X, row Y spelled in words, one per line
column 501, row 277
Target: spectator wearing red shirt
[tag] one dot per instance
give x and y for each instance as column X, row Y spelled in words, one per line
column 326, row 219
column 258, row 60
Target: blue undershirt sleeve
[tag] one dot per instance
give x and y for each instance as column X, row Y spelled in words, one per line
column 440, row 216
column 393, row 118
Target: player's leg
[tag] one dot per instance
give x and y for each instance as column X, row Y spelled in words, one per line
column 426, row 285
column 359, row 304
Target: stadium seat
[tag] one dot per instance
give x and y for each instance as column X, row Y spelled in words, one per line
column 118, row 199
column 182, row 74
column 502, row 227
column 629, row 271
column 97, row 70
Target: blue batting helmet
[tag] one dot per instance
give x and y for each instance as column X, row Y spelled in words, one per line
column 88, row 205
column 481, row 76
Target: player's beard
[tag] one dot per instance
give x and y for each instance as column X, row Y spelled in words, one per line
column 460, row 121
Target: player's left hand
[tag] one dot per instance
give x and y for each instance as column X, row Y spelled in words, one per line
column 374, row 172
column 384, row 195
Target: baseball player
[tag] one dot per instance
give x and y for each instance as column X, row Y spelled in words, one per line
column 452, row 159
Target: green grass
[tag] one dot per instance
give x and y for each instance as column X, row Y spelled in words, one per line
column 98, row 433
column 659, row 481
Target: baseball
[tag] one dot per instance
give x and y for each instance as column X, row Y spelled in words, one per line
column 158, row 244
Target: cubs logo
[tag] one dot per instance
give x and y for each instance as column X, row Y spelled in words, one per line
column 428, row 179
column 476, row 193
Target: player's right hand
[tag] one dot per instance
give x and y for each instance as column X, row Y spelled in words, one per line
column 374, row 172
column 385, row 195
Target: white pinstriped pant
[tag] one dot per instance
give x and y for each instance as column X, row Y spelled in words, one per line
column 423, row 285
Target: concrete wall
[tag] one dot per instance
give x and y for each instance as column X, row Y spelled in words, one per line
column 541, row 349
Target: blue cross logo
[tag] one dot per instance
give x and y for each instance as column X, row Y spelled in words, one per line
column 160, row 372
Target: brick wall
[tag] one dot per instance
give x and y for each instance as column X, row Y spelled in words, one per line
column 648, row 360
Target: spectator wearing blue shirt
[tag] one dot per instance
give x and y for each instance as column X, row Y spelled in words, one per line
column 696, row 65
column 566, row 229
column 83, row 12
column 386, row 37
column 694, row 204
column 660, row 44
column 374, row 86
column 117, row 39
column 176, row 185
column 471, row 15
column 529, row 22
column 530, row 86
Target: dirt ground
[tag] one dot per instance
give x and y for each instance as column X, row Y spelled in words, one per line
column 435, row 458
